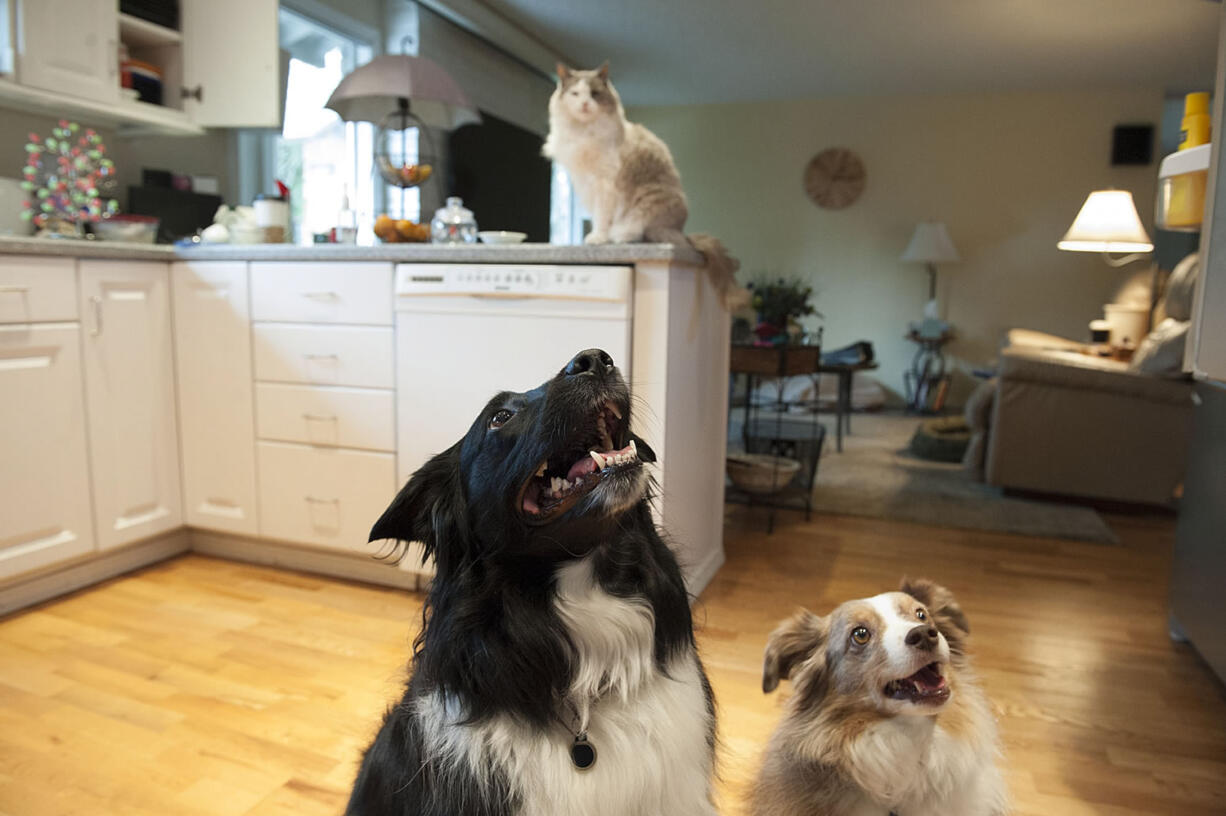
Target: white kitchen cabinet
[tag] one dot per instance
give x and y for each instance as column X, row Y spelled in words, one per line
column 216, row 409
column 70, row 47
column 44, row 482
column 231, row 63
column 129, row 389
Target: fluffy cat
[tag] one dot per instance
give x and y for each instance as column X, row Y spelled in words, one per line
column 624, row 175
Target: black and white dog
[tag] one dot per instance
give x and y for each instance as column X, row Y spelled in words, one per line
column 556, row 672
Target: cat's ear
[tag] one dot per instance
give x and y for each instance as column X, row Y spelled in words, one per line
column 603, row 70
column 563, row 71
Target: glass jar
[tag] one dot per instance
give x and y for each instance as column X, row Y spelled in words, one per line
column 453, row 224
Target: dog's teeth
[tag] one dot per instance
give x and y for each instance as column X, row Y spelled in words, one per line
column 555, row 484
column 541, row 472
column 598, row 459
column 634, row 451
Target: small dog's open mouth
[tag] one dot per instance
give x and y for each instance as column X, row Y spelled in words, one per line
column 600, row 451
column 926, row 687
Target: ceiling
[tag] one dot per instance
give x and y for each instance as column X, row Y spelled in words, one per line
column 704, row 51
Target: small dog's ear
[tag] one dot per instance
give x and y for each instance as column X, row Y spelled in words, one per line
column 603, row 70
column 428, row 508
column 563, row 71
column 792, row 642
column 946, row 612
column 646, row 454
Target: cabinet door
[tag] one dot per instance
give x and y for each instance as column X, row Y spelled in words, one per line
column 129, row 388
column 230, row 54
column 216, row 409
column 44, row 483
column 69, row 46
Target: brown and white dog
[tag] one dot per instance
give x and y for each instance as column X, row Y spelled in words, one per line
column 886, row 715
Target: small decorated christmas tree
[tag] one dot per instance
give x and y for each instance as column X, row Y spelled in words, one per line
column 65, row 177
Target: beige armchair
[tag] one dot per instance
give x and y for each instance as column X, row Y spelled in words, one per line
column 1070, row 423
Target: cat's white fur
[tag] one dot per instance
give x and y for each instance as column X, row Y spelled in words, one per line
column 650, row 729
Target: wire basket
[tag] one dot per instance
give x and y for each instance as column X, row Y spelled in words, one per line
column 401, row 160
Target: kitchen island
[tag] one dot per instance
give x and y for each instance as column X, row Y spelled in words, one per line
column 243, row 400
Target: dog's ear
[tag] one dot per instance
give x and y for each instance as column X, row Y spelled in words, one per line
column 603, row 70
column 563, row 71
column 646, row 454
column 946, row 613
column 792, row 642
column 428, row 509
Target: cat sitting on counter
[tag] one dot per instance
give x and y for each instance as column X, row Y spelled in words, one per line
column 624, row 174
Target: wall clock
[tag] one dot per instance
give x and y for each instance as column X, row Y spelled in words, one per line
column 835, row 178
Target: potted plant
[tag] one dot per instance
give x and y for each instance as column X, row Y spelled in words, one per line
column 779, row 303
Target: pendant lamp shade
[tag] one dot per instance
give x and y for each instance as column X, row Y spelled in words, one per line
column 1107, row 222
column 369, row 93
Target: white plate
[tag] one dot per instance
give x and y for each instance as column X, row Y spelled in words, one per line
column 501, row 237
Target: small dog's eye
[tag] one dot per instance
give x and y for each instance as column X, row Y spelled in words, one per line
column 501, row 418
column 860, row 635
column 921, row 614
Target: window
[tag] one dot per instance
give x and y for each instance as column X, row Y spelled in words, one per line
column 319, row 157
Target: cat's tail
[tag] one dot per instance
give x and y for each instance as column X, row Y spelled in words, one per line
column 721, row 267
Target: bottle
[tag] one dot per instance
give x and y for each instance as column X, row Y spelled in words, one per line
column 1194, row 129
column 453, row 224
column 346, row 222
column 1184, row 195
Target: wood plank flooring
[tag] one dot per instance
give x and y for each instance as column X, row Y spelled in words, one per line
column 206, row 687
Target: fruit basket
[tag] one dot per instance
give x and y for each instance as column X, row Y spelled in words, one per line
column 404, row 153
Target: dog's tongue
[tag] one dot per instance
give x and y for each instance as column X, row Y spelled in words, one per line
column 581, row 468
column 927, row 679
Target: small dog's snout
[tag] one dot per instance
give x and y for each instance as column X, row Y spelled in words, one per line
column 922, row 637
column 589, row 361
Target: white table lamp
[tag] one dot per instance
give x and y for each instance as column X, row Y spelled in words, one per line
column 931, row 245
column 1108, row 222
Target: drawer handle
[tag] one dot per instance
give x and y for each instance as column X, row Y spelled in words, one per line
column 97, row 304
column 321, row 295
column 14, row 290
column 317, row 357
column 319, row 417
column 314, row 500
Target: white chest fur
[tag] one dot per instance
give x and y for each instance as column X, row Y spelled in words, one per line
column 649, row 729
column 917, row 768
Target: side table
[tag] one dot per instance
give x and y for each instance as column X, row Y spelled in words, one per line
column 928, row 381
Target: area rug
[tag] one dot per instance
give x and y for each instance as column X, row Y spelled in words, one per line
column 876, row 476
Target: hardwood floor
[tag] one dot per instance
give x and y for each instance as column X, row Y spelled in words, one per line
column 206, row 687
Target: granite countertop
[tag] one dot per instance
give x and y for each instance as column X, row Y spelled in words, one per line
column 399, row 253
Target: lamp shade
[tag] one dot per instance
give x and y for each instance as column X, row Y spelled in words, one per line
column 371, row 92
column 931, row 244
column 1107, row 222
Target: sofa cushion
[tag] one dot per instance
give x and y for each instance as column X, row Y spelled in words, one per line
column 1181, row 287
column 1066, row 369
column 1161, row 352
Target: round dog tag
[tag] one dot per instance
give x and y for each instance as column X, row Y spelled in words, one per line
column 582, row 753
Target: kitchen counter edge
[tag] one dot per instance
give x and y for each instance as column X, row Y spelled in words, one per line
column 396, row 253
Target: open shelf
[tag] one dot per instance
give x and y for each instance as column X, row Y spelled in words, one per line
column 141, row 33
column 130, row 117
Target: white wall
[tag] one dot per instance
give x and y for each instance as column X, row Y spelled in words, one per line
column 1006, row 172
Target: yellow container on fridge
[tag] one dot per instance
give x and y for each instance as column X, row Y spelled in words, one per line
column 1184, row 175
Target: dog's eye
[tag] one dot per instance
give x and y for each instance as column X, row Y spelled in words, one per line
column 921, row 614
column 860, row 635
column 501, row 418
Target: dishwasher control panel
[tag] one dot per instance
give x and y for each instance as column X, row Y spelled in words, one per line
column 514, row 280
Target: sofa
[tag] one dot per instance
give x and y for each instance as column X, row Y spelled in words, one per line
column 1065, row 422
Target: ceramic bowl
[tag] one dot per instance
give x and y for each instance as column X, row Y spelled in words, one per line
column 501, row 237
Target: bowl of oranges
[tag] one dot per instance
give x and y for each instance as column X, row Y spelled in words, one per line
column 401, row 231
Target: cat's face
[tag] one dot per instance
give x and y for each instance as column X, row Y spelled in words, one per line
column 585, row 96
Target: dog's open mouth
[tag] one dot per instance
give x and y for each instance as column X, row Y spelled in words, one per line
column 601, row 450
column 926, row 687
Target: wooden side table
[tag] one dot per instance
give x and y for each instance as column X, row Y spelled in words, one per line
column 927, row 377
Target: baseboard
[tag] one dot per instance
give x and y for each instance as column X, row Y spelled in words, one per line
column 699, row 575
column 355, row 567
column 90, row 570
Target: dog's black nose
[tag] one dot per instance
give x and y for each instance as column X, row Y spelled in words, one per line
column 923, row 636
column 590, row 361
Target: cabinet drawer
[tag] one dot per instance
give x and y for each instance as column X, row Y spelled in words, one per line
column 34, row 290
column 322, row 292
column 316, row 415
column 325, row 496
column 324, row 355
